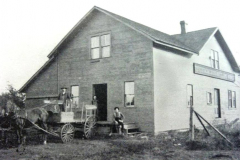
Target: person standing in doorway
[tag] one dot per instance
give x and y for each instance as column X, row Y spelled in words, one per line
column 95, row 102
column 64, row 96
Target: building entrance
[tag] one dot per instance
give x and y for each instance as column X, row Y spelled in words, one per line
column 100, row 91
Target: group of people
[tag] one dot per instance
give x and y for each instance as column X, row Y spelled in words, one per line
column 117, row 118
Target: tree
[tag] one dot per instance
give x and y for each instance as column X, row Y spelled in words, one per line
column 14, row 95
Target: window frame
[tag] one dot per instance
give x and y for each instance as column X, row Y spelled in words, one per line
column 214, row 59
column 125, row 95
column 232, row 101
column 78, row 106
column 209, row 99
column 99, row 35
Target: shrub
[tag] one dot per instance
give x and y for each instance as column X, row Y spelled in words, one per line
column 14, row 95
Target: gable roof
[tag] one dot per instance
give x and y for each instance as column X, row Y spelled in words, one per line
column 154, row 35
column 191, row 42
column 196, row 39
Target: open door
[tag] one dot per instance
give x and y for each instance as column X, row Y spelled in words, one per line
column 100, row 91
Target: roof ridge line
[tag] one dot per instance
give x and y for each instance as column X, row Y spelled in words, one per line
column 195, row 31
column 143, row 32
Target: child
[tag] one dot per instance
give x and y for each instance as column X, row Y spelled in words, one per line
column 118, row 118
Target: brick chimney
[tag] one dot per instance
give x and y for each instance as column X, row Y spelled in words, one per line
column 183, row 27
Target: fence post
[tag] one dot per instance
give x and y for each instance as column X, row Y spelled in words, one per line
column 191, row 127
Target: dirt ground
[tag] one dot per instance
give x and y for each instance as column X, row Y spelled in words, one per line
column 114, row 148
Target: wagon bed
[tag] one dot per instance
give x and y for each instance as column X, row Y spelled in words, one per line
column 64, row 124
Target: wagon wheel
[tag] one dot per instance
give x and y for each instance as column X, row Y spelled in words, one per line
column 89, row 127
column 67, row 133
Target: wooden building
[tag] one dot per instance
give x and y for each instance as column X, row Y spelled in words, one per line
column 151, row 76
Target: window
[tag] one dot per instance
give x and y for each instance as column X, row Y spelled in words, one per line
column 75, row 94
column 129, row 94
column 232, row 99
column 214, row 59
column 209, row 98
column 100, row 46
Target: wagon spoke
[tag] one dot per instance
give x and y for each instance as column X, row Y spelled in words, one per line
column 89, row 127
column 67, row 133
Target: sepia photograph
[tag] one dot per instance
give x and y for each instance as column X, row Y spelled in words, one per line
column 119, row 80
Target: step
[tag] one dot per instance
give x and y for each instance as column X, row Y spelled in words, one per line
column 127, row 125
column 131, row 126
column 133, row 133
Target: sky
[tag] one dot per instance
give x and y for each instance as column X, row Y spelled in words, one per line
column 30, row 29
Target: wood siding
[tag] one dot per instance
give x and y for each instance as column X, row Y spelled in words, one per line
column 172, row 73
column 130, row 60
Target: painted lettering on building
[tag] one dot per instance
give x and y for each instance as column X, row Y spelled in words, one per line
column 214, row 73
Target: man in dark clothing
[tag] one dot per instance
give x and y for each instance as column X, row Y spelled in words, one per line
column 118, row 118
column 64, row 96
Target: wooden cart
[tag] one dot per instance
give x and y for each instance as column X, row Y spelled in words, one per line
column 64, row 124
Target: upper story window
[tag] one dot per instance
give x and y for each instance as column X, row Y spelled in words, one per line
column 100, row 46
column 214, row 59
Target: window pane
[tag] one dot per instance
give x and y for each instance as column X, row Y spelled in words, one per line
column 216, row 64
column 75, row 94
column 234, row 99
column 229, row 99
column 95, row 53
column 75, row 91
column 129, row 87
column 212, row 54
column 94, row 42
column 216, row 55
column 106, row 51
column 105, row 40
column 213, row 63
column 209, row 98
column 129, row 100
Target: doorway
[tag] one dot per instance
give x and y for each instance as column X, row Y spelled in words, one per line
column 217, row 104
column 100, row 91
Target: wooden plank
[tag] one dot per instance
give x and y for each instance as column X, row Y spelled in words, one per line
column 202, row 124
column 131, row 127
column 131, row 133
column 191, row 127
column 215, row 129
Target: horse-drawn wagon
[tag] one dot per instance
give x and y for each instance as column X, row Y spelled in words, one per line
column 51, row 120
column 64, row 124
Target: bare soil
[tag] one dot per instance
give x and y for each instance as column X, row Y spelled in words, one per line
column 114, row 148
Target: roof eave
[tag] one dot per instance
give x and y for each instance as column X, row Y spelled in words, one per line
column 214, row 32
column 230, row 56
column 22, row 89
column 174, row 47
column 139, row 31
column 69, row 33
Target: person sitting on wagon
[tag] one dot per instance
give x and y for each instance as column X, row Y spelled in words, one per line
column 64, row 96
column 118, row 118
